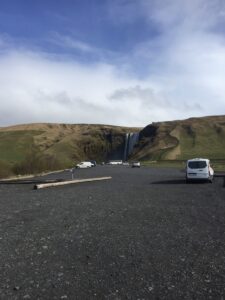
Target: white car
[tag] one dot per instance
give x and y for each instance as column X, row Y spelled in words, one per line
column 115, row 162
column 199, row 169
column 136, row 164
column 84, row 165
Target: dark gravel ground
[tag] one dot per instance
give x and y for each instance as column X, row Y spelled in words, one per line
column 144, row 234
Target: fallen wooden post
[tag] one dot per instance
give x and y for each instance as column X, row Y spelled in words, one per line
column 46, row 185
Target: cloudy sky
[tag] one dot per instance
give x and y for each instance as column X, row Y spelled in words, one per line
column 121, row 62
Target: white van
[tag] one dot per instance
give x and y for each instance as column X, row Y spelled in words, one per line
column 115, row 162
column 199, row 169
column 84, row 165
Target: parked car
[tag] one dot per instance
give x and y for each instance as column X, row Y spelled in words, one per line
column 115, row 162
column 199, row 169
column 136, row 164
column 84, row 165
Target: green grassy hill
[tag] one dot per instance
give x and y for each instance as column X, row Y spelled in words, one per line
column 180, row 140
column 33, row 148
column 36, row 147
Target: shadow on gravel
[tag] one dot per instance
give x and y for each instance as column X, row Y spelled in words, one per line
column 174, row 181
column 178, row 181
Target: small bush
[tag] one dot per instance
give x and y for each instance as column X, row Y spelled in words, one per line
column 5, row 170
column 36, row 162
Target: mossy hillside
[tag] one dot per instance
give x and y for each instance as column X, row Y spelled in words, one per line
column 15, row 144
column 203, row 139
column 177, row 140
column 61, row 144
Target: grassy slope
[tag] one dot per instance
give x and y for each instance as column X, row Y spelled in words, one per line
column 14, row 144
column 205, row 139
column 196, row 137
column 176, row 140
column 69, row 143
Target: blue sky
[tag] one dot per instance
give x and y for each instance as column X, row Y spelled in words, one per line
column 121, row 62
column 89, row 21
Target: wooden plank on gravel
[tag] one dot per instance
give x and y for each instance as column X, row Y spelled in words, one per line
column 46, row 185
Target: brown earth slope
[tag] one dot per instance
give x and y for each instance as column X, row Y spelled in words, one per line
column 194, row 137
column 69, row 143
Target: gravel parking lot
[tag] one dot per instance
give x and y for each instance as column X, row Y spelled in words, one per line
column 144, row 234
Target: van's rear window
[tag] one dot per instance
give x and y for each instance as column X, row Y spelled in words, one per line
column 197, row 164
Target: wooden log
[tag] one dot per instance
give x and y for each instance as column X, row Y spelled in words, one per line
column 46, row 185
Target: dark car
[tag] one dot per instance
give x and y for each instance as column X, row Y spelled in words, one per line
column 94, row 163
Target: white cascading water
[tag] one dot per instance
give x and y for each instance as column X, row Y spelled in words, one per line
column 125, row 147
column 134, row 137
column 131, row 140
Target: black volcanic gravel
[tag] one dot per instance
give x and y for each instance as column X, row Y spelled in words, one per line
column 144, row 234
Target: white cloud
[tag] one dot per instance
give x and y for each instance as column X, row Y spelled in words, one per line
column 187, row 60
column 183, row 66
column 38, row 89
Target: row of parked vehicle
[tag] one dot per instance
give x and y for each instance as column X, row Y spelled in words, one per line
column 196, row 169
column 134, row 164
column 92, row 163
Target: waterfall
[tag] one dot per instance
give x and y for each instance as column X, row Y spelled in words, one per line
column 125, row 147
column 131, row 140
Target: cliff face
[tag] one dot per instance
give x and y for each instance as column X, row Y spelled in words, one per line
column 195, row 137
column 102, row 144
column 68, row 143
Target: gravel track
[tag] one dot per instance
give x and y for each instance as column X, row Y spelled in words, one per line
column 144, row 234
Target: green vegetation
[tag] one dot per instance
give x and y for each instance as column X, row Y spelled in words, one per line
column 218, row 165
column 5, row 169
column 35, row 162
column 164, row 163
column 203, row 140
column 182, row 140
column 34, row 148
column 13, row 144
